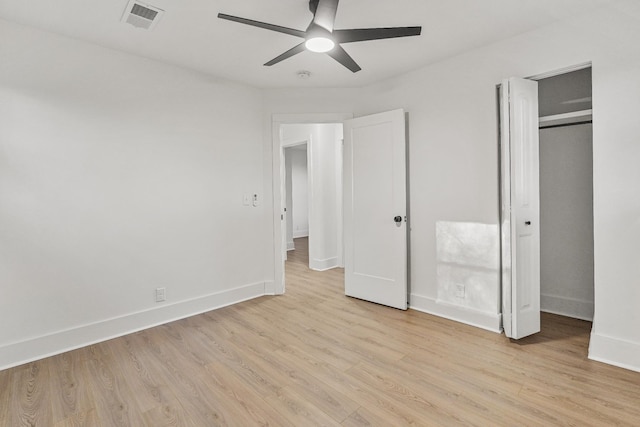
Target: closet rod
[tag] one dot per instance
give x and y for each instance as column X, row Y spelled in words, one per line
column 565, row 124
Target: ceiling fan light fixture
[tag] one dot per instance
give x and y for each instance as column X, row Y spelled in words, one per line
column 319, row 44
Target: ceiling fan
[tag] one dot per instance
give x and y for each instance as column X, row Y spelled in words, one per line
column 320, row 36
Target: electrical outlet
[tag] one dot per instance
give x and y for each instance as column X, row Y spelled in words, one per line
column 160, row 294
column 460, row 290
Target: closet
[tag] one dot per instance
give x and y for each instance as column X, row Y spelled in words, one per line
column 566, row 194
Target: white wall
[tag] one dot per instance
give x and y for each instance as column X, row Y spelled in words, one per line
column 119, row 175
column 289, row 197
column 300, row 187
column 323, row 198
column 566, row 221
column 454, row 160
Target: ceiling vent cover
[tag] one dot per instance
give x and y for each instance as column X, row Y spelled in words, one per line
column 141, row 15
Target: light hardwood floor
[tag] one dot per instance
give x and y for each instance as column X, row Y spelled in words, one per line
column 316, row 357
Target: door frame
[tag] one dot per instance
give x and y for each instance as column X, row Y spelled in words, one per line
column 277, row 120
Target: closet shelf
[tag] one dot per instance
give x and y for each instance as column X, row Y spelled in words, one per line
column 575, row 117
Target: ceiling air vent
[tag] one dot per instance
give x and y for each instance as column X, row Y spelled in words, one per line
column 141, row 15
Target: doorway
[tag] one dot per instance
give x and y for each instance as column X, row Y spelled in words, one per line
column 319, row 193
column 566, row 194
column 374, row 146
column 279, row 123
column 546, row 199
column 296, row 194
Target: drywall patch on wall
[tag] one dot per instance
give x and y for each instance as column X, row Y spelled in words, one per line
column 468, row 264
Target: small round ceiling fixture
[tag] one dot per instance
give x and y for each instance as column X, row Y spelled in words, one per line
column 304, row 74
column 319, row 44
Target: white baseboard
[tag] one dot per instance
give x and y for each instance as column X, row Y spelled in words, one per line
column 270, row 287
column 480, row 319
column 614, row 351
column 18, row 353
column 291, row 246
column 300, row 233
column 571, row 307
column 323, row 264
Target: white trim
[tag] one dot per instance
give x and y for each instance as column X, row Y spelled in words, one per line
column 300, row 233
column 564, row 116
column 31, row 349
column 323, row 264
column 561, row 71
column 614, row 351
column 276, row 121
column 294, row 143
column 291, row 246
column 565, row 306
column 480, row 319
column 310, row 200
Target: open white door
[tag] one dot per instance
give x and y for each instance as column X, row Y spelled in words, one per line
column 520, row 208
column 375, row 229
column 285, row 216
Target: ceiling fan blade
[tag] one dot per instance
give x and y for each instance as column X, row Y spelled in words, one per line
column 340, row 55
column 264, row 25
column 364, row 34
column 288, row 54
column 325, row 13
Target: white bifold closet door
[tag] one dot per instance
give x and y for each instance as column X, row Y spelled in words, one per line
column 520, row 207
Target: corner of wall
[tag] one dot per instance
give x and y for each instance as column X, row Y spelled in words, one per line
column 323, row 264
column 270, row 287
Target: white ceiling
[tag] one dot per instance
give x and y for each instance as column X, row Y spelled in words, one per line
column 190, row 35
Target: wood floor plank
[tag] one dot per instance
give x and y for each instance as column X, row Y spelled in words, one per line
column 311, row 389
column 68, row 388
column 316, row 357
column 80, row 419
column 187, row 380
column 150, row 391
column 113, row 400
column 299, row 411
column 30, row 398
column 244, row 398
column 5, row 393
column 364, row 418
column 169, row 414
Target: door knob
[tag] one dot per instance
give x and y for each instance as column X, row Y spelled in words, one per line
column 397, row 218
